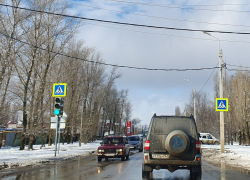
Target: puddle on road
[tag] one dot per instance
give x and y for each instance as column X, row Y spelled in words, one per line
column 54, row 169
column 225, row 166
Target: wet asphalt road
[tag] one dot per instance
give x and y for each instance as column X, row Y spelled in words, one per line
column 88, row 168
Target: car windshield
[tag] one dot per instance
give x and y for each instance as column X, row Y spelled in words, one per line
column 134, row 138
column 113, row 141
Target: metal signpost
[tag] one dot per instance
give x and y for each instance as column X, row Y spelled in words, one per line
column 59, row 91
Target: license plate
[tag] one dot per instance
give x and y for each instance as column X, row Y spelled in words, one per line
column 109, row 154
column 160, row 156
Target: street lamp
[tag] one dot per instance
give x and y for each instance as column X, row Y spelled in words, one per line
column 194, row 98
column 207, row 33
column 221, row 96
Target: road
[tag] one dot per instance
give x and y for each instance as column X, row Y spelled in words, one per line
column 88, row 168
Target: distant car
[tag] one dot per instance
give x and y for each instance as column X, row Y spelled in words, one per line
column 141, row 135
column 113, row 147
column 207, row 138
column 135, row 142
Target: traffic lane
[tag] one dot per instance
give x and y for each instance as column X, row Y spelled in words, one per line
column 88, row 168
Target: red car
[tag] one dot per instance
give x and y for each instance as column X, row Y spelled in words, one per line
column 113, row 147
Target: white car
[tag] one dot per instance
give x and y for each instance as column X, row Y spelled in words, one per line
column 207, row 138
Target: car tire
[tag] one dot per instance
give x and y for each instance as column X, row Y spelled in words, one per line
column 177, row 143
column 216, row 143
column 140, row 150
column 195, row 173
column 99, row 159
column 123, row 158
column 145, row 175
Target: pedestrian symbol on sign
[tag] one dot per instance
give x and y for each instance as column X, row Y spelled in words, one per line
column 59, row 90
column 221, row 104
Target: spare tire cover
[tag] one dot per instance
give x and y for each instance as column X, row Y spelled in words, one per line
column 177, row 143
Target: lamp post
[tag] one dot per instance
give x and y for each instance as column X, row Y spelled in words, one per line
column 194, row 98
column 222, row 140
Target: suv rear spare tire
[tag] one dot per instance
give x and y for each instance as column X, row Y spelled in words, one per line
column 177, row 143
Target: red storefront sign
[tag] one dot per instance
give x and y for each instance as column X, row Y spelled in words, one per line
column 128, row 127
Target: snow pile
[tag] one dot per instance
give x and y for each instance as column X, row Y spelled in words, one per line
column 13, row 157
column 235, row 155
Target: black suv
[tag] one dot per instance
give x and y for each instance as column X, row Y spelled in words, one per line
column 172, row 143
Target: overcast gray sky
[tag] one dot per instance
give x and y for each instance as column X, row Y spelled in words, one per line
column 158, row 91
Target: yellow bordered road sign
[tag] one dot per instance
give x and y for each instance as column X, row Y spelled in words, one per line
column 59, row 89
column 221, row 104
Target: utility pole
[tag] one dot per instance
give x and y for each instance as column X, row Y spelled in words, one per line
column 222, row 139
column 194, row 106
column 80, row 141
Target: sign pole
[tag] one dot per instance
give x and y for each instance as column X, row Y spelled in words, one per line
column 59, row 134
column 56, row 133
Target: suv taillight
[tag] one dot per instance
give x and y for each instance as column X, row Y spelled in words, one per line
column 147, row 145
column 198, row 146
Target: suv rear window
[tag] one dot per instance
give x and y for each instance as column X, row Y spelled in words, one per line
column 167, row 125
column 135, row 138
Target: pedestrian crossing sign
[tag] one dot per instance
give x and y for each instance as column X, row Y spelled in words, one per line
column 59, row 89
column 221, row 104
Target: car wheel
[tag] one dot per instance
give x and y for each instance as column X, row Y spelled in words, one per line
column 177, row 143
column 123, row 158
column 127, row 157
column 216, row 143
column 145, row 175
column 99, row 159
column 195, row 173
column 140, row 150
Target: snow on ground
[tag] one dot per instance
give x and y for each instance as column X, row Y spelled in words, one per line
column 12, row 156
column 235, row 155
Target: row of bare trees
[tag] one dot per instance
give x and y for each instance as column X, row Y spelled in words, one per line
column 237, row 90
column 37, row 50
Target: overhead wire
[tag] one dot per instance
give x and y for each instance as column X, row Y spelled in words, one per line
column 129, row 24
column 108, row 64
column 179, row 7
column 180, row 4
column 161, row 34
column 237, row 66
column 158, row 17
column 207, row 79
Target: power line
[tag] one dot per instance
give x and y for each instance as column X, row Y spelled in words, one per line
column 207, row 79
column 238, row 70
column 159, row 17
column 129, row 24
column 237, row 66
column 180, row 4
column 166, row 34
column 179, row 7
column 107, row 64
